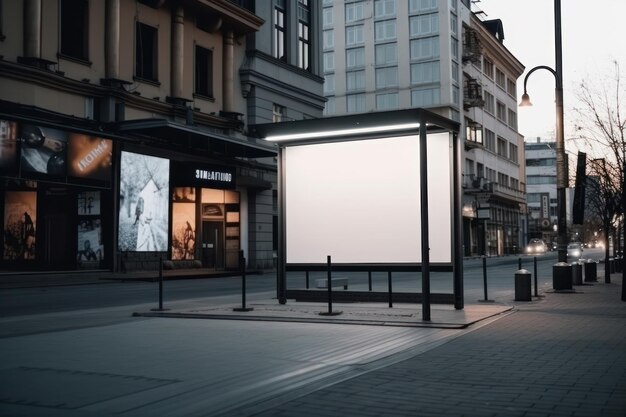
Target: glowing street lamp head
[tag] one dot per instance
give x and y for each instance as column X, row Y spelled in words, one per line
column 525, row 101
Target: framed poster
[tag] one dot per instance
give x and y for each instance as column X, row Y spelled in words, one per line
column 89, row 157
column 88, row 203
column 144, row 203
column 183, row 231
column 44, row 150
column 89, row 237
column 8, row 147
column 20, row 223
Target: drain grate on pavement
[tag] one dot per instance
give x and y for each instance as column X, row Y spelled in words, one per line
column 69, row 389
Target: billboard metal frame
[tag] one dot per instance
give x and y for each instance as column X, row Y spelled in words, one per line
column 368, row 126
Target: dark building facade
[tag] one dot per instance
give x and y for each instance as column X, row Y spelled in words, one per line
column 123, row 131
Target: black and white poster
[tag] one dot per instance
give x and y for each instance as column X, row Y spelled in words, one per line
column 144, row 203
column 44, row 150
column 90, row 249
column 20, row 222
column 89, row 203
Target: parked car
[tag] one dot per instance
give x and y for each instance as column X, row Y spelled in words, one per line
column 574, row 250
column 536, row 247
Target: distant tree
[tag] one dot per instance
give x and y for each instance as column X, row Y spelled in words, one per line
column 601, row 129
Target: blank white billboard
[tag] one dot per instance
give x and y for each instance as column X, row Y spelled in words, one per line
column 359, row 201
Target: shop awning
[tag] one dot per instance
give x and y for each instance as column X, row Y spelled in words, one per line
column 197, row 138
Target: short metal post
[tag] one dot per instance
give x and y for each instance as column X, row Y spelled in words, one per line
column 486, row 300
column 160, row 287
column 307, row 279
column 390, row 290
column 330, row 311
column 369, row 280
column 519, row 263
column 242, row 263
column 535, row 271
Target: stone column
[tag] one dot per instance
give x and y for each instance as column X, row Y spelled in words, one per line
column 32, row 28
column 177, row 52
column 112, row 39
column 228, row 71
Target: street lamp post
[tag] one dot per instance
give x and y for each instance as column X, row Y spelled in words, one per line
column 561, row 269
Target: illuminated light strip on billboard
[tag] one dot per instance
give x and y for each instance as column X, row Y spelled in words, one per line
column 343, row 132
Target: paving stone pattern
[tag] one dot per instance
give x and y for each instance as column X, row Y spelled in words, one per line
column 562, row 356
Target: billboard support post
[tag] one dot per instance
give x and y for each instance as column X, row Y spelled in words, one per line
column 424, row 223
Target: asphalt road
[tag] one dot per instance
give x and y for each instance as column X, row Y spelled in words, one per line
column 500, row 284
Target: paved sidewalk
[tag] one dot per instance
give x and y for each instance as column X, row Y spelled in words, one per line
column 562, row 356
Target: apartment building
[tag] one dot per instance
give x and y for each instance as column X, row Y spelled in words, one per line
column 396, row 54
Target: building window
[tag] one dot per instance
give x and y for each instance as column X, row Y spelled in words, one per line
column 354, row 11
column 480, row 170
column 355, row 58
column 387, row 101
column 503, row 179
column 329, row 40
column 204, row 71
column 453, row 5
column 426, row 72
column 454, row 47
column 279, row 113
column 304, row 35
column 422, row 5
column 355, row 80
column 489, row 103
column 280, row 30
column 541, row 162
column 455, row 95
column 502, row 147
column 513, row 153
column 328, row 16
column 540, row 179
column 490, row 140
column 488, row 68
column 355, row 103
column 385, row 30
column 386, row 53
column 453, row 24
column 424, row 48
column 423, row 97
column 455, row 71
column 500, row 79
column 384, row 8
column 354, row 35
column 329, row 84
column 424, row 24
column 511, row 88
column 501, row 111
column 386, row 77
column 512, row 119
column 146, row 48
column 329, row 61
column 74, row 28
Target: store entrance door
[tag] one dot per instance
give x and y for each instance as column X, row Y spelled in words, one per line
column 213, row 244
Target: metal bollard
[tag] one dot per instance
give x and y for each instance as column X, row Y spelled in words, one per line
column 591, row 271
column 160, row 288
column 535, row 275
column 577, row 273
column 307, row 279
column 329, row 283
column 561, row 276
column 486, row 300
column 390, row 290
column 242, row 262
column 369, row 280
column 522, row 285
column 519, row 263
